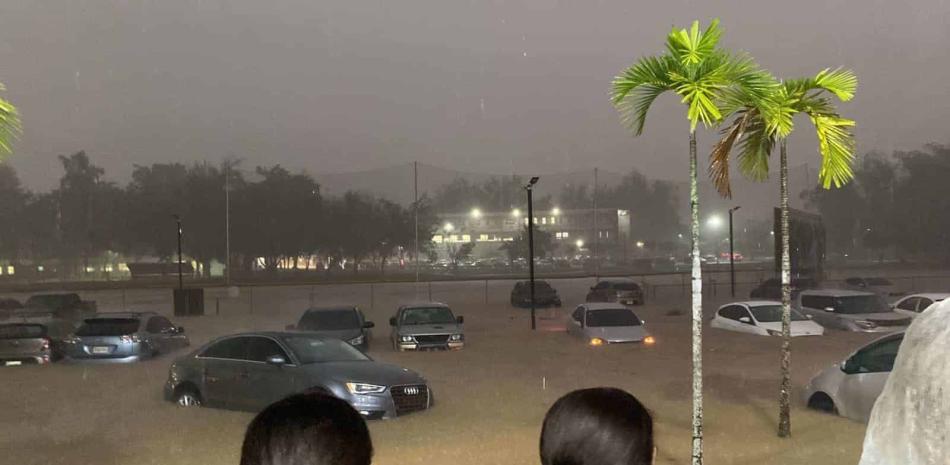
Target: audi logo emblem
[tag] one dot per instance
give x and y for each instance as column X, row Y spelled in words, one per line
column 411, row 391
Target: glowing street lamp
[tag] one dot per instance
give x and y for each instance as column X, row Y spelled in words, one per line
column 640, row 244
column 448, row 227
column 579, row 243
column 476, row 213
column 714, row 222
column 516, row 213
column 556, row 211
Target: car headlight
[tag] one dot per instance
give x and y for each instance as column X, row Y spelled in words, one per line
column 773, row 332
column 406, row 338
column 455, row 337
column 363, row 388
column 596, row 341
column 864, row 324
column 649, row 340
column 356, row 340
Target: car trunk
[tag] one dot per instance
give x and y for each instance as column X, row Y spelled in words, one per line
column 23, row 343
column 108, row 338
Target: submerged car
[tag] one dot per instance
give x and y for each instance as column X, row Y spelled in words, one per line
column 914, row 304
column 544, row 294
column 252, row 370
column 764, row 318
column 851, row 387
column 607, row 323
column 427, row 326
column 850, row 311
column 124, row 337
column 620, row 290
column 32, row 341
column 882, row 286
column 343, row 323
column 771, row 289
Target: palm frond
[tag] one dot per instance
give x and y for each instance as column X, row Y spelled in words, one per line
column 841, row 82
column 692, row 47
column 9, row 124
column 755, row 147
column 634, row 91
column 719, row 157
column 836, row 144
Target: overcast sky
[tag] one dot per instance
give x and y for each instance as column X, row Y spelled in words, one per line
column 479, row 85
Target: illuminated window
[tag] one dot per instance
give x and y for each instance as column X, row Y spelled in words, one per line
column 544, row 220
column 483, row 237
column 89, row 269
column 10, row 269
column 466, row 238
column 536, row 220
column 437, row 238
column 552, row 220
column 108, row 269
column 565, row 235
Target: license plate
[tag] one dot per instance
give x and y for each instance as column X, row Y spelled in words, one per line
column 13, row 363
column 100, row 350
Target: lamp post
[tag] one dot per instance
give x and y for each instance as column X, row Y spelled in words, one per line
column 732, row 255
column 181, row 282
column 528, row 187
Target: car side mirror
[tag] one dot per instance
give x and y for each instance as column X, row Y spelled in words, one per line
column 276, row 360
column 180, row 330
column 745, row 320
column 460, row 319
column 851, row 366
column 829, row 309
column 368, row 325
column 392, row 321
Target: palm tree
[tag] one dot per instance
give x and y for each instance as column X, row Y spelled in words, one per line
column 698, row 71
column 9, row 124
column 761, row 121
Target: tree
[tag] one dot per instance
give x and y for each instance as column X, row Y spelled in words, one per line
column 696, row 69
column 459, row 253
column 920, row 227
column 81, row 210
column 12, row 203
column 761, row 120
column 518, row 247
column 9, row 125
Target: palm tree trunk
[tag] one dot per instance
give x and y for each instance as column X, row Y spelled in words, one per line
column 784, row 415
column 697, row 301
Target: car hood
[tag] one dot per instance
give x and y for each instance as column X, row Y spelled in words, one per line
column 887, row 317
column 617, row 333
column 799, row 328
column 370, row 372
column 342, row 334
column 419, row 330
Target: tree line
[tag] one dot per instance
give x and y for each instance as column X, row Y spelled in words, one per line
column 276, row 216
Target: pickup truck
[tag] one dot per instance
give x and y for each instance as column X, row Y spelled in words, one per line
column 66, row 306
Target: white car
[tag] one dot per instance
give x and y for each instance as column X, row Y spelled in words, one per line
column 913, row 304
column 764, row 318
column 851, row 387
column 607, row 323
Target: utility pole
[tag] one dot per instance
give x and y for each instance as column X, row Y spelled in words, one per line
column 227, row 222
column 528, row 188
column 415, row 210
column 595, row 231
column 181, row 282
column 732, row 254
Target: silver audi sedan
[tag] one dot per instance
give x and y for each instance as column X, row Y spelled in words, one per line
column 252, row 370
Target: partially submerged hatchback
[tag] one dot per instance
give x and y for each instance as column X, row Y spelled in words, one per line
column 608, row 323
column 31, row 342
column 124, row 337
column 850, row 311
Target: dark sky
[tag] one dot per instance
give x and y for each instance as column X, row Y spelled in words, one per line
column 479, row 85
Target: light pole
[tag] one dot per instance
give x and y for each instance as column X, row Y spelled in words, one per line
column 732, row 254
column 528, row 187
column 181, row 282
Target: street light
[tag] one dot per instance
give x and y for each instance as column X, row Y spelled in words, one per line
column 476, row 213
column 448, row 227
column 528, row 188
column 579, row 243
column 714, row 222
column 732, row 254
column 181, row 282
column 516, row 213
column 640, row 244
column 556, row 211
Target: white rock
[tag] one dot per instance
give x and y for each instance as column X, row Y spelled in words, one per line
column 910, row 422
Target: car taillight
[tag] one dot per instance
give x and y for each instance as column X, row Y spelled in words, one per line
column 129, row 339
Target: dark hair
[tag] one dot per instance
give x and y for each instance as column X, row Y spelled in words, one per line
column 307, row 429
column 599, row 426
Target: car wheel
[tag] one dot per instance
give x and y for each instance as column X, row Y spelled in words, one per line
column 821, row 402
column 187, row 396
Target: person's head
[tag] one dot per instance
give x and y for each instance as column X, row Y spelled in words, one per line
column 599, row 426
column 307, row 429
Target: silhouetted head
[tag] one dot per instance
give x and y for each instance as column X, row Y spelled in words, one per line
column 599, row 426
column 307, row 429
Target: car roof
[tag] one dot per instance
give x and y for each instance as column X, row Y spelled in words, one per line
column 423, row 305
column 331, row 309
column 931, row 295
column 103, row 315
column 835, row 292
column 275, row 334
column 753, row 303
column 618, row 280
column 605, row 306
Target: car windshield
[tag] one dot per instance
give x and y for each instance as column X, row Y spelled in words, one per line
column 773, row 314
column 878, row 282
column 329, row 320
column 427, row 316
column 320, row 350
column 108, row 327
column 21, row 331
column 612, row 317
column 622, row 286
column 855, row 304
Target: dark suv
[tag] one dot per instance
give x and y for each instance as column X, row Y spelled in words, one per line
column 620, row 290
column 345, row 323
column 544, row 294
column 772, row 288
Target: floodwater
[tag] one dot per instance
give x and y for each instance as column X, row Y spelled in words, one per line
column 491, row 396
